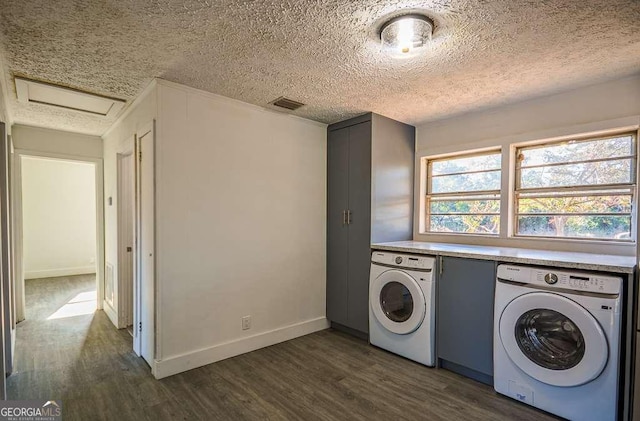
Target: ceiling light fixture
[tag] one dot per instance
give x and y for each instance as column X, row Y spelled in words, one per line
column 403, row 34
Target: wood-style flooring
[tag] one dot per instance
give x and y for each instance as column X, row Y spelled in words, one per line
column 89, row 365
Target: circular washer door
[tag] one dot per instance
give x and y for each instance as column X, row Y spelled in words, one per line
column 553, row 339
column 397, row 302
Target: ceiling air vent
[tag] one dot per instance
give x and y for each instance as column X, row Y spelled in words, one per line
column 36, row 92
column 286, row 103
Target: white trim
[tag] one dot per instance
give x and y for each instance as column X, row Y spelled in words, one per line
column 111, row 313
column 226, row 100
column 53, row 273
column 183, row 362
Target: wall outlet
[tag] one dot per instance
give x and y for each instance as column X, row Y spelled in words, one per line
column 246, row 322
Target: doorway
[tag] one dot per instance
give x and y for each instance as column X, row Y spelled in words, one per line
column 133, row 286
column 126, row 238
column 59, row 237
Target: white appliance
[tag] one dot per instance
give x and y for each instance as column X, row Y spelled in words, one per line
column 557, row 340
column 402, row 305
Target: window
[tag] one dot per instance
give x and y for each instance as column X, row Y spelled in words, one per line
column 463, row 194
column 576, row 189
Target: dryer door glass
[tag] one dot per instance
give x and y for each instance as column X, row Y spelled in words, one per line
column 396, row 302
column 550, row 339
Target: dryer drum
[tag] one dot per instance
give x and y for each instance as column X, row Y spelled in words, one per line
column 396, row 302
column 550, row 339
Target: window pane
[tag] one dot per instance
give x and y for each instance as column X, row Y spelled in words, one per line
column 466, row 182
column 466, row 164
column 465, row 206
column 578, row 174
column 609, row 227
column 584, row 204
column 574, row 151
column 470, row 224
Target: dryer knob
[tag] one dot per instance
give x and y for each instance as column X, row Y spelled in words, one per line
column 551, row 278
column 398, row 260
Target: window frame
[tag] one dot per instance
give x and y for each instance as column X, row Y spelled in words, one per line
column 494, row 194
column 597, row 189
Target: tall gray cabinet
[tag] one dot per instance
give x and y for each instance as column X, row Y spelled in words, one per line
column 370, row 170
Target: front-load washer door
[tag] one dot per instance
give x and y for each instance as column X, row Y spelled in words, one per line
column 553, row 339
column 397, row 302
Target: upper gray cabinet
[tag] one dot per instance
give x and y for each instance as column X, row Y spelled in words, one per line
column 370, row 170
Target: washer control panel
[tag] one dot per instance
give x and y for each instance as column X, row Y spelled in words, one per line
column 408, row 261
column 551, row 277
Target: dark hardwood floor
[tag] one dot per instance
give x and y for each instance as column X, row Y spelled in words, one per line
column 89, row 365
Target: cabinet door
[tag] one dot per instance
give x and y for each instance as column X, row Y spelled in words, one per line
column 337, row 230
column 465, row 313
column 636, row 385
column 360, row 225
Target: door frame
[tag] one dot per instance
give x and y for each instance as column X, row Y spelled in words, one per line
column 139, row 304
column 18, row 221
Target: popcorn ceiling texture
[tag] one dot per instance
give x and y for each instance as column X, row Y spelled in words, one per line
column 323, row 53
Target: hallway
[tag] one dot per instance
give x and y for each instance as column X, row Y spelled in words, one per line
column 64, row 354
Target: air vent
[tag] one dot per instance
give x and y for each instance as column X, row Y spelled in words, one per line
column 286, row 103
column 36, row 92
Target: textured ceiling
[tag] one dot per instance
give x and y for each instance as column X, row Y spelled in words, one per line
column 322, row 52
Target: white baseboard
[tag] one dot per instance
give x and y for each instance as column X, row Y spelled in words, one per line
column 111, row 313
column 53, row 273
column 191, row 360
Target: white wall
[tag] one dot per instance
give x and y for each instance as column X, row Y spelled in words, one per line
column 59, row 217
column 602, row 107
column 36, row 139
column 240, row 227
column 116, row 140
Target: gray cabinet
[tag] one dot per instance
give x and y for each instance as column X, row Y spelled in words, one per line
column 370, row 161
column 465, row 316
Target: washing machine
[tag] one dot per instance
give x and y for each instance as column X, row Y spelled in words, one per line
column 402, row 305
column 557, row 340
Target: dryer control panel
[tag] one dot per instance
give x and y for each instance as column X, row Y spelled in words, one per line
column 562, row 279
column 408, row 261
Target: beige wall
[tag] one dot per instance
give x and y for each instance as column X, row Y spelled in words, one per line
column 59, row 217
column 593, row 109
column 240, row 227
column 36, row 139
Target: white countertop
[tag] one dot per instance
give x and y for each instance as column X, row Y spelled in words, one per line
column 584, row 261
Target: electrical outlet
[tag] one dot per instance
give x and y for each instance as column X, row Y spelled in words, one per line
column 246, row 322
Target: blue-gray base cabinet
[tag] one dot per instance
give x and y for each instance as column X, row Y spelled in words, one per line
column 465, row 316
column 370, row 169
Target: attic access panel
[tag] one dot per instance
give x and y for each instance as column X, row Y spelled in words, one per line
column 31, row 91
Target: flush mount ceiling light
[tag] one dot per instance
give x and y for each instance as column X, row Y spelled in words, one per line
column 33, row 91
column 404, row 34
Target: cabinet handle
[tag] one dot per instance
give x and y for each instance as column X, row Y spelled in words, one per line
column 344, row 217
column 441, row 265
column 348, row 216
